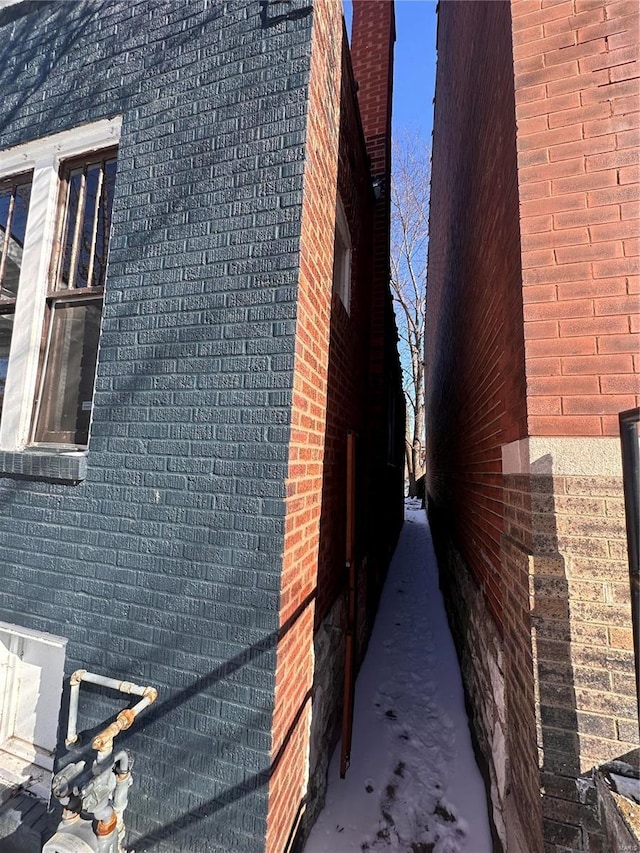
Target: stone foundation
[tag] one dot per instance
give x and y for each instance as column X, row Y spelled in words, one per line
column 553, row 686
column 328, row 687
column 482, row 660
column 327, row 706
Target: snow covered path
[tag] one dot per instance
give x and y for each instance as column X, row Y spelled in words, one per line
column 413, row 785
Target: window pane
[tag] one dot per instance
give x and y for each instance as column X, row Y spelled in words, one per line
column 69, row 373
column 104, row 224
column 339, row 251
column 73, row 199
column 6, row 204
column 14, row 207
column 6, row 328
column 5, row 198
column 87, row 224
column 92, row 188
column 341, row 268
column 19, row 221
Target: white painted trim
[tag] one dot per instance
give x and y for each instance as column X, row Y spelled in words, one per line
column 30, row 634
column 343, row 285
column 24, row 355
column 563, row 456
column 61, row 146
column 43, row 157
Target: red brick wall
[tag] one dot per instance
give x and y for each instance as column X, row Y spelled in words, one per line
column 331, row 395
column 348, row 353
column 542, row 344
column 474, row 344
column 294, row 673
column 372, row 41
column 578, row 108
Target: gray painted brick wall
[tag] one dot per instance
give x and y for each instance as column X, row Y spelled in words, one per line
column 163, row 565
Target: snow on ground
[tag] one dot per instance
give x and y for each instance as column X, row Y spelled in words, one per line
column 413, row 785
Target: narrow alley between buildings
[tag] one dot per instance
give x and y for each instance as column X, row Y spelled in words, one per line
column 413, row 785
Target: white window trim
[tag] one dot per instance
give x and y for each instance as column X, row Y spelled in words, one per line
column 42, row 157
column 343, row 285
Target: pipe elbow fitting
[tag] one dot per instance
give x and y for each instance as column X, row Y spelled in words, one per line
column 77, row 676
column 151, row 694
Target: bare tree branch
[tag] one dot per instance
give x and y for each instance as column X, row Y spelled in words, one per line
column 410, row 184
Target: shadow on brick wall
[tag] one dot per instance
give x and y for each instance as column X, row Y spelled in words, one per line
column 553, row 669
column 540, row 680
column 54, row 40
column 191, row 820
column 573, row 659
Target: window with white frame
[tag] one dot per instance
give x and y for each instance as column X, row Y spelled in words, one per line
column 31, row 675
column 342, row 257
column 56, row 197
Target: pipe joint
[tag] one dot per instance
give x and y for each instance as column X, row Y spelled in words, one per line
column 77, row 676
column 106, row 827
column 103, row 742
column 151, row 694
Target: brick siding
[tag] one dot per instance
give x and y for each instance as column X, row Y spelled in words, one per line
column 163, row 565
column 560, row 592
column 372, row 43
column 578, row 127
column 355, row 358
column 474, row 304
column 349, row 350
column 567, row 536
column 211, row 516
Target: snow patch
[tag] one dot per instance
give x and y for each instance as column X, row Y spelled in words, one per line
column 413, row 785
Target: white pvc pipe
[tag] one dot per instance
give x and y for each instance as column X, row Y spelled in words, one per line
column 113, row 683
column 103, row 681
column 74, row 693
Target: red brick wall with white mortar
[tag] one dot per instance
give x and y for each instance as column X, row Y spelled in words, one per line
column 337, row 353
column 474, row 357
column 577, row 82
column 333, row 357
column 349, row 348
column 372, row 50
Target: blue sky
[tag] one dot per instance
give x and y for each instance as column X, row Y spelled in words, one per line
column 415, row 63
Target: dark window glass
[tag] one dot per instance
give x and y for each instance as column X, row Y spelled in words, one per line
column 104, row 224
column 74, row 187
column 14, row 207
column 6, row 328
column 87, row 223
column 65, row 407
column 74, row 304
